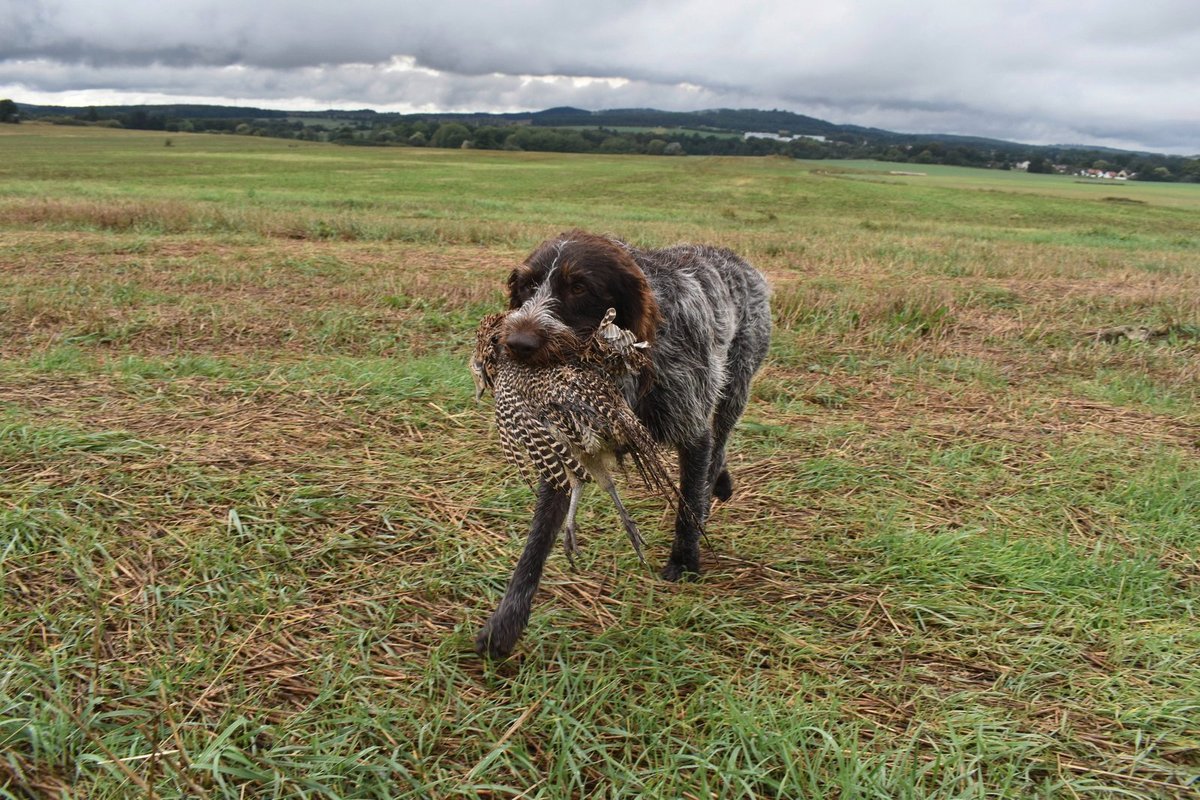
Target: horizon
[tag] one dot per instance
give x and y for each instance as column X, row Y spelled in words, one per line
column 215, row 103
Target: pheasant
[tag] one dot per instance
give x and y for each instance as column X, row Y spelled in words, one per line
column 568, row 423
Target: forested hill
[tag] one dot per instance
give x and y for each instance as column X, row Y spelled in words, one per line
column 650, row 131
column 720, row 119
column 724, row 119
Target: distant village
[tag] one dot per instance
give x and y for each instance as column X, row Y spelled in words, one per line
column 781, row 137
column 1067, row 169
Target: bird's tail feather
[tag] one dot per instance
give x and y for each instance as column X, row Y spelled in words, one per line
column 646, row 455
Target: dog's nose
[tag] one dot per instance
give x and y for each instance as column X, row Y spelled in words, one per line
column 522, row 345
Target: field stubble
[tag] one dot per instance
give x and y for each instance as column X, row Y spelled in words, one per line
column 251, row 515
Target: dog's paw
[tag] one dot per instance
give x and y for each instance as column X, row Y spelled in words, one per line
column 673, row 571
column 493, row 643
column 723, row 486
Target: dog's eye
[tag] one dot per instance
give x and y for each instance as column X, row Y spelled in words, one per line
column 578, row 289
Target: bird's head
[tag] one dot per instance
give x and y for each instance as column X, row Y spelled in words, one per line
column 486, row 356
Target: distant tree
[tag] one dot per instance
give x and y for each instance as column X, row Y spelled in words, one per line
column 964, row 156
column 139, row 119
column 489, row 138
column 418, row 139
column 547, row 140
column 343, row 134
column 9, row 112
column 655, row 147
column 450, row 134
column 1039, row 165
column 617, row 144
column 673, row 149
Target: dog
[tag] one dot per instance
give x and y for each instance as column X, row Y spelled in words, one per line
column 705, row 313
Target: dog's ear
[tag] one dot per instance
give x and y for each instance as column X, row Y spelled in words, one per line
column 637, row 310
column 515, row 284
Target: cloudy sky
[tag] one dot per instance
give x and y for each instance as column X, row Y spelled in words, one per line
column 1109, row 72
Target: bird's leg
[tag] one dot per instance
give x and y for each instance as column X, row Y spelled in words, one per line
column 570, row 547
column 631, row 528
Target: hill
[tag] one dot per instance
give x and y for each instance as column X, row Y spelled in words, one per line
column 722, row 131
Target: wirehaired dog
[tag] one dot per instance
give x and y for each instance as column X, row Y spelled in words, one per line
column 706, row 315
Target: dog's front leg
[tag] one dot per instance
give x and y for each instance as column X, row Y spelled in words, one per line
column 695, row 486
column 500, row 633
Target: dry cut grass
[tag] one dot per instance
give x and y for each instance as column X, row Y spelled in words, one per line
column 250, row 515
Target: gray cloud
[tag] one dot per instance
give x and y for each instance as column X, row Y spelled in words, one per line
column 1100, row 72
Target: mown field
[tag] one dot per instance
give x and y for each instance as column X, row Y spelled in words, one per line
column 251, row 516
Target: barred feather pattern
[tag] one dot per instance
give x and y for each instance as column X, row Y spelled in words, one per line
column 561, row 423
column 569, row 420
column 615, row 350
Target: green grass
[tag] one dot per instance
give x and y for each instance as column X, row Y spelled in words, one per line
column 251, row 516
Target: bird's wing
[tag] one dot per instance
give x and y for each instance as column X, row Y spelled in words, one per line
column 514, row 449
column 528, row 443
column 577, row 425
column 583, row 408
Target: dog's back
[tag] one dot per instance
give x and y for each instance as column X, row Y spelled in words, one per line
column 714, row 336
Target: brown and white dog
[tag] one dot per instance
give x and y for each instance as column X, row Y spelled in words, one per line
column 705, row 312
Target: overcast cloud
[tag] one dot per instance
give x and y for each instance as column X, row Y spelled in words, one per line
column 1044, row 71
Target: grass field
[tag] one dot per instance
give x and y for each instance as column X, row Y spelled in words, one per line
column 251, row 516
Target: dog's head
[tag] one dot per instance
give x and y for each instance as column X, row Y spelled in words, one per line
column 565, row 286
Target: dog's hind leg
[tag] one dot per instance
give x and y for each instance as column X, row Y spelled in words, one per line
column 729, row 410
column 745, row 357
column 695, row 489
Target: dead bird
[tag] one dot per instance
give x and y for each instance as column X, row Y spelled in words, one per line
column 567, row 422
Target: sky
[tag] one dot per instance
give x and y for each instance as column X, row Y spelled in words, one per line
column 1098, row 72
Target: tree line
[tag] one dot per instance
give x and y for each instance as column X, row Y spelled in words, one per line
column 550, row 132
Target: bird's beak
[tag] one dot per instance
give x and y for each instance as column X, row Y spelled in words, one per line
column 480, row 383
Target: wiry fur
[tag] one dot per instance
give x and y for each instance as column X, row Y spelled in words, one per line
column 705, row 312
